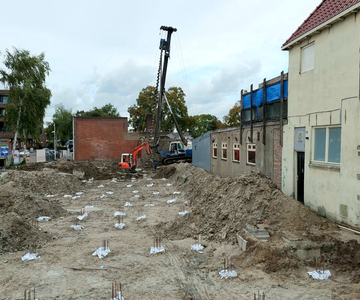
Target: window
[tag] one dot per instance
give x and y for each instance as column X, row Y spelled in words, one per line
column 215, row 150
column 3, row 99
column 224, row 150
column 307, row 58
column 251, row 154
column 236, row 152
column 327, row 144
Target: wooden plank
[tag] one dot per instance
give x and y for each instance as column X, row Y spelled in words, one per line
column 281, row 107
column 349, row 229
column 263, row 116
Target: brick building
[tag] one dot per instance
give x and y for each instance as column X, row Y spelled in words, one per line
column 6, row 134
column 257, row 143
column 102, row 138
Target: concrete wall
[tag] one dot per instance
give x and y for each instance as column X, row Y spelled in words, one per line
column 328, row 95
column 102, row 138
column 201, row 152
column 268, row 156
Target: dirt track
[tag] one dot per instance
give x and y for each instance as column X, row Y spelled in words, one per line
column 67, row 269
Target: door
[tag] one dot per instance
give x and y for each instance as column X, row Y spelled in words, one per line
column 300, row 176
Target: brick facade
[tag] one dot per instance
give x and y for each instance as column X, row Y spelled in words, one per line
column 102, row 138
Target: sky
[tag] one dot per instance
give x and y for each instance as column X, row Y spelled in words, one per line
column 107, row 51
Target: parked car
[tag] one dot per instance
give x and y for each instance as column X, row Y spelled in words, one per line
column 48, row 155
column 24, row 152
column 57, row 153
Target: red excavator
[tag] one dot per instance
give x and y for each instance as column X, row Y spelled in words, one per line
column 128, row 161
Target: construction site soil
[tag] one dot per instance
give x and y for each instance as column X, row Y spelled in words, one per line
column 219, row 209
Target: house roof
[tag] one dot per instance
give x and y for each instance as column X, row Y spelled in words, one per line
column 325, row 11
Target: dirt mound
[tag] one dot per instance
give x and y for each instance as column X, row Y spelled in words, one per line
column 17, row 234
column 32, row 207
column 344, row 257
column 99, row 170
column 222, row 207
column 165, row 172
column 44, row 182
column 23, row 199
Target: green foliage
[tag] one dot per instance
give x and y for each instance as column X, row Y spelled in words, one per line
column 201, row 124
column 108, row 110
column 233, row 118
column 63, row 124
column 146, row 104
column 49, row 134
column 28, row 95
column 176, row 99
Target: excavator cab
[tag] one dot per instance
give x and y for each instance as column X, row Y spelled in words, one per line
column 126, row 161
column 126, row 157
column 176, row 148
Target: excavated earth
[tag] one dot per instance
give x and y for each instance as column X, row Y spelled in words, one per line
column 218, row 209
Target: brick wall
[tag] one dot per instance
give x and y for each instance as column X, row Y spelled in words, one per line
column 277, row 158
column 102, row 138
column 149, row 118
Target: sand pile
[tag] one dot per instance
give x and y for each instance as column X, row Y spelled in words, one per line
column 222, row 207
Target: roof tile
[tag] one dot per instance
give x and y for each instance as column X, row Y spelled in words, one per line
column 326, row 10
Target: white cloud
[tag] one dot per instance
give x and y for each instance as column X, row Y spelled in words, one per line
column 102, row 52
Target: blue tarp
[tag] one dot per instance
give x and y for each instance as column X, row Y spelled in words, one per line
column 272, row 93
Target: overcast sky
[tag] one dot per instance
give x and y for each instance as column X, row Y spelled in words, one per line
column 107, row 51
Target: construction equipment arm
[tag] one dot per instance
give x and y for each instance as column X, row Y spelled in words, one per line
column 184, row 141
column 164, row 46
column 138, row 149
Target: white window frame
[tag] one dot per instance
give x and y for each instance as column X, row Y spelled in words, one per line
column 250, row 148
column 213, row 152
column 307, row 60
column 236, row 146
column 224, row 147
column 326, row 161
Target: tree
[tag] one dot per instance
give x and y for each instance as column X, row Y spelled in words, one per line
column 176, row 99
column 49, row 131
column 201, row 124
column 28, row 95
column 62, row 118
column 233, row 118
column 108, row 110
column 146, row 104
